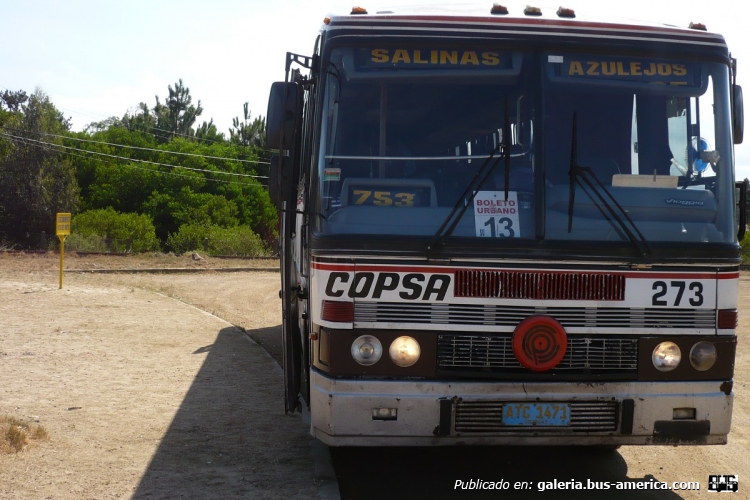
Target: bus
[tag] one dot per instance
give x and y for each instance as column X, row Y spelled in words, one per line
column 506, row 227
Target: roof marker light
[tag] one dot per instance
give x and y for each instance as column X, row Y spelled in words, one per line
column 565, row 12
column 358, row 10
column 327, row 21
column 532, row 11
column 499, row 9
column 698, row 26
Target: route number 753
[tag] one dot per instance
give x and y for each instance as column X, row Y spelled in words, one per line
column 694, row 295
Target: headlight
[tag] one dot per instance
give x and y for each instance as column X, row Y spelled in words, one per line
column 666, row 356
column 404, row 351
column 366, row 350
column 703, row 356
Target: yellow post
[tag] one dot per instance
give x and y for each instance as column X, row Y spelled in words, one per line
column 62, row 229
column 62, row 253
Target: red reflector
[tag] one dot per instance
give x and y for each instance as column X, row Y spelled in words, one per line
column 539, row 343
column 727, row 319
column 339, row 312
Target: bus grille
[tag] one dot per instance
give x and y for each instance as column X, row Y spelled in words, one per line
column 457, row 351
column 539, row 285
column 497, row 315
column 487, row 417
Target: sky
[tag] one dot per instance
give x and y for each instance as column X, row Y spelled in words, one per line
column 97, row 58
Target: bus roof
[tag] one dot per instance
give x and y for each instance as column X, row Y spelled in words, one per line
column 519, row 21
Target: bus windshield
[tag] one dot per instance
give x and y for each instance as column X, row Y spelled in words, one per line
column 574, row 146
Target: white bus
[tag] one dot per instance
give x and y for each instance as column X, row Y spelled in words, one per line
column 508, row 227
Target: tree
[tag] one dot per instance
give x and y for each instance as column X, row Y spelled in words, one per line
column 36, row 181
column 208, row 133
column 177, row 115
column 13, row 100
column 247, row 132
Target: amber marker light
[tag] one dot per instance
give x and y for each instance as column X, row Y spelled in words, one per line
column 358, row 11
column 565, row 12
column 327, row 21
column 498, row 9
column 698, row 26
column 532, row 11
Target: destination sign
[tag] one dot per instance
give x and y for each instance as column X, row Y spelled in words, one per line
column 437, row 58
column 630, row 69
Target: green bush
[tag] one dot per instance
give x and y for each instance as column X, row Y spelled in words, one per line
column 121, row 232
column 215, row 240
column 745, row 244
column 91, row 243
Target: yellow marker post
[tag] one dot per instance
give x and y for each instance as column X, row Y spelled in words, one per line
column 62, row 229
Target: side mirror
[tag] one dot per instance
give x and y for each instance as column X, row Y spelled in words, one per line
column 280, row 183
column 284, row 112
column 738, row 116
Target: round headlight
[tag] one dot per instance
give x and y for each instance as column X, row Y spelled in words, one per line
column 703, row 356
column 666, row 356
column 404, row 351
column 366, row 350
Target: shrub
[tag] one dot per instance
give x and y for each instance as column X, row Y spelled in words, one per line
column 121, row 232
column 215, row 240
column 745, row 244
column 15, row 434
column 92, row 243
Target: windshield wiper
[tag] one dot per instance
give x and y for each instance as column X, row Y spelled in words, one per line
column 580, row 176
column 467, row 197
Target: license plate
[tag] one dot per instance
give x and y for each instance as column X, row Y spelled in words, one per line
column 529, row 414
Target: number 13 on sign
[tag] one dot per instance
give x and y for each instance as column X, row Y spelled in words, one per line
column 496, row 217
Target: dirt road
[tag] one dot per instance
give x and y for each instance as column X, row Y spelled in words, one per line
column 146, row 396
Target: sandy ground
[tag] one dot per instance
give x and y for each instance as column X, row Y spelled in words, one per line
column 146, row 396
column 143, row 395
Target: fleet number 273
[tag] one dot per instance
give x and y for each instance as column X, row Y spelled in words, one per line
column 692, row 292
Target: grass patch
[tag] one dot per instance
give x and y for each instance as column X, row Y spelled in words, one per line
column 16, row 434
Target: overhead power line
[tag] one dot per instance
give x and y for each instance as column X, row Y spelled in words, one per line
column 142, row 148
column 163, row 131
column 135, row 159
column 31, row 142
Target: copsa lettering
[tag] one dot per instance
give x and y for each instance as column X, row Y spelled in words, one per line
column 413, row 286
column 621, row 68
column 444, row 57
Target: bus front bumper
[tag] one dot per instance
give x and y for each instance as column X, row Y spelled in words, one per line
column 360, row 412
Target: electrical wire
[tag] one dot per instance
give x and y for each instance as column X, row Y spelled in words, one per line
column 135, row 159
column 141, row 148
column 168, row 132
column 47, row 146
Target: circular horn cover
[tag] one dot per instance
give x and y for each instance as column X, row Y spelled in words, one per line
column 539, row 343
